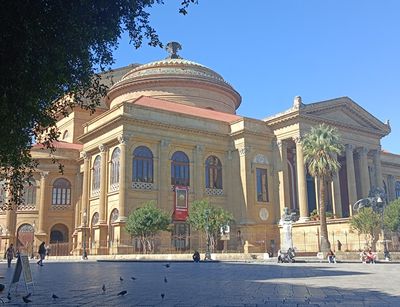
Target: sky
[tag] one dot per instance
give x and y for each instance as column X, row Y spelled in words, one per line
column 271, row 51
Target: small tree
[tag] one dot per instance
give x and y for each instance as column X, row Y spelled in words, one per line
column 392, row 216
column 209, row 219
column 146, row 222
column 367, row 222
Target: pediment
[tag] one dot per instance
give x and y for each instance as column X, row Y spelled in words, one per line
column 345, row 112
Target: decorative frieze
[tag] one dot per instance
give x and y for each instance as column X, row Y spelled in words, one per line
column 60, row 207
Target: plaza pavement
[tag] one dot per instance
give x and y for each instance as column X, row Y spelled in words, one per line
column 79, row 283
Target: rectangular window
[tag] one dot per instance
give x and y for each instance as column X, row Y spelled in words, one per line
column 262, row 185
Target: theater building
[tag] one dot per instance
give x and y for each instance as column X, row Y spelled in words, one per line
column 168, row 131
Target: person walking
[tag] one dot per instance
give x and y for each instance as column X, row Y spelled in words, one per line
column 10, row 253
column 42, row 253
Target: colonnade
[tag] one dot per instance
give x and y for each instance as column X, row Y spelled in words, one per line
column 358, row 186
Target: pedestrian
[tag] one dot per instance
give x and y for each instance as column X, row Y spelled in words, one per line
column 331, row 257
column 10, row 253
column 196, row 256
column 48, row 248
column 42, row 253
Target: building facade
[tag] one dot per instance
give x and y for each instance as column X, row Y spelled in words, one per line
column 168, row 132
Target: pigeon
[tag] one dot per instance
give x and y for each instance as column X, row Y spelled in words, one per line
column 26, row 300
column 103, row 288
column 121, row 279
column 28, row 295
column 9, row 296
column 167, row 265
column 2, row 287
column 122, row 293
column 133, row 278
column 162, row 296
column 54, row 296
column 165, row 279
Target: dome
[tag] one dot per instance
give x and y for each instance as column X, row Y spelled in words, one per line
column 178, row 80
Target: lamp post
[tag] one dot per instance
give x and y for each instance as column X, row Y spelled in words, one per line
column 381, row 205
column 84, row 219
column 208, row 254
column 33, row 239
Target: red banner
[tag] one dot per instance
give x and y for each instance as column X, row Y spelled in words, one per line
column 181, row 203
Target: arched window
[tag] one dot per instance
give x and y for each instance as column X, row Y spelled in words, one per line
column 142, row 165
column 213, row 173
column 96, row 174
column 180, row 174
column 61, row 192
column 397, row 189
column 29, row 194
column 114, row 172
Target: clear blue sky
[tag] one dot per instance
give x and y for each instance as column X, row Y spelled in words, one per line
column 271, row 51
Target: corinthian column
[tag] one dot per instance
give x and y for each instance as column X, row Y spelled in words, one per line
column 122, row 179
column 364, row 172
column 378, row 169
column 351, row 178
column 42, row 201
column 103, row 185
column 301, row 181
column 284, row 194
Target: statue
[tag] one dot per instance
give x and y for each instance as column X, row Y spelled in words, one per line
column 172, row 48
column 286, row 222
column 376, row 200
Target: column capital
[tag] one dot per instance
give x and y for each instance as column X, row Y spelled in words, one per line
column 200, row 148
column 244, row 150
column 85, row 155
column 297, row 139
column 280, row 143
column 102, row 148
column 44, row 174
column 165, row 143
column 122, row 139
column 349, row 147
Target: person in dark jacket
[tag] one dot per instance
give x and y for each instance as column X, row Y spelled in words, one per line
column 42, row 253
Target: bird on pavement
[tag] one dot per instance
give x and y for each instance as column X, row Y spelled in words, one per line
column 28, row 295
column 9, row 296
column 167, row 265
column 122, row 293
column 133, row 278
column 2, row 287
column 54, row 296
column 103, row 288
column 165, row 279
column 162, row 296
column 121, row 279
column 26, row 300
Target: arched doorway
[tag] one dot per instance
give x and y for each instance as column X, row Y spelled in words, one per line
column 25, row 239
column 59, row 241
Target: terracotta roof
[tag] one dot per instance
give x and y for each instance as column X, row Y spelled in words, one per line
column 61, row 144
column 185, row 109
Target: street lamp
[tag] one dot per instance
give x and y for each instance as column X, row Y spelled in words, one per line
column 381, row 205
column 208, row 254
column 84, row 218
column 33, row 238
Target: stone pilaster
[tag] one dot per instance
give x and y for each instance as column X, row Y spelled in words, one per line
column 122, row 179
column 301, row 181
column 198, row 177
column 42, row 203
column 164, row 175
column 85, row 185
column 103, row 185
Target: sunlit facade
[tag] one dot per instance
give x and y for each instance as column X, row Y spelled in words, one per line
column 168, row 132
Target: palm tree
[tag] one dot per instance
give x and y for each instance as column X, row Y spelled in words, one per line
column 321, row 147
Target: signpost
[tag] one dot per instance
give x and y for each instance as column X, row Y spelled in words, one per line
column 22, row 266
